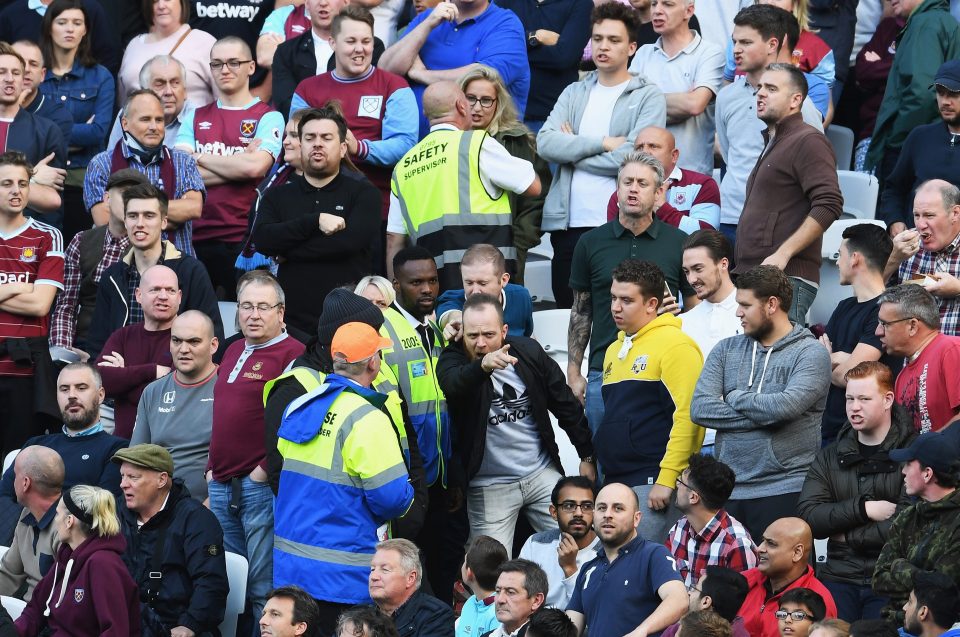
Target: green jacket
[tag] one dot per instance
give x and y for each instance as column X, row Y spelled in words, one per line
column 527, row 211
column 930, row 38
column 924, row 537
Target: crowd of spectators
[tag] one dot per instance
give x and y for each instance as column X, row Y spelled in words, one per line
column 268, row 272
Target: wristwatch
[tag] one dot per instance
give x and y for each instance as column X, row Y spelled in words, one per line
column 590, row 459
column 532, row 40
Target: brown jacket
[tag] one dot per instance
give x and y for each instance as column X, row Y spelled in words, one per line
column 794, row 178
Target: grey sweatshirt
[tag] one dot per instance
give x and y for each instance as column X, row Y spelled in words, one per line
column 766, row 405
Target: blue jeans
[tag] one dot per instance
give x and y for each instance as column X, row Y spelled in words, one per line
column 804, row 295
column 248, row 532
column 594, row 399
column 855, row 602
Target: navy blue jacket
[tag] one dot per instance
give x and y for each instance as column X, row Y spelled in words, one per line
column 36, row 137
column 47, row 108
column 928, row 152
column 193, row 588
column 518, row 315
column 17, row 22
column 552, row 68
column 424, row 616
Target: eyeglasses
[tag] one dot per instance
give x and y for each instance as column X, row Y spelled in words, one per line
column 233, row 65
column 679, row 481
column 886, row 324
column 485, row 102
column 569, row 506
column 795, row 615
column 693, row 589
column 262, row 308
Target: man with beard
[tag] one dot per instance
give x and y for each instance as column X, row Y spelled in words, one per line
column 138, row 354
column 142, row 148
column 176, row 411
column 83, row 445
column 320, row 224
column 764, row 392
column 502, row 391
column 652, row 595
column 563, row 551
column 933, row 607
column 928, row 152
column 792, row 195
column 707, row 535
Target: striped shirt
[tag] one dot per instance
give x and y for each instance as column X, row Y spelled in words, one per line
column 722, row 542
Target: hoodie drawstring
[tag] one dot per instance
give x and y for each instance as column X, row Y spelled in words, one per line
column 63, row 587
column 46, row 612
column 753, row 363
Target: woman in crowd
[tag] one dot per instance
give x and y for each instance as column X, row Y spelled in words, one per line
column 170, row 34
column 86, row 89
column 492, row 109
column 88, row 590
column 377, row 290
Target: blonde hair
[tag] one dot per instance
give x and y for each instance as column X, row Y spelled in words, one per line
column 801, row 11
column 505, row 117
column 100, row 505
column 386, row 289
column 836, row 627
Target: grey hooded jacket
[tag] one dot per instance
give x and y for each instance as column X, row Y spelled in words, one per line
column 766, row 405
column 642, row 104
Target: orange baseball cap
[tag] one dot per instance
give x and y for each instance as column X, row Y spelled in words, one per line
column 355, row 342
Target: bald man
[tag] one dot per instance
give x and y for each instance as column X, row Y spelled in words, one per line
column 136, row 355
column 929, row 252
column 692, row 199
column 38, row 478
column 176, row 411
column 455, row 172
column 785, row 551
column 651, row 596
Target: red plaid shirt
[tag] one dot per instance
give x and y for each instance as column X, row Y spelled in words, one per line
column 723, row 542
column 63, row 323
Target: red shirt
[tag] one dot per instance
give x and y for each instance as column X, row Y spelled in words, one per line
column 4, row 129
column 236, row 443
column 759, row 607
column 925, row 386
column 31, row 254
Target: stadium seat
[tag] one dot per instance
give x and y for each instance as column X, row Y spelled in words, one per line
column 860, row 192
column 8, row 460
column 842, row 140
column 236, row 598
column 13, row 606
column 228, row 315
column 831, row 292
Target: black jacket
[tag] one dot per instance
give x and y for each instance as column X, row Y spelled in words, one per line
column 289, row 389
column 193, row 589
column 424, row 616
column 113, row 312
column 469, row 392
column 835, row 492
column 294, row 61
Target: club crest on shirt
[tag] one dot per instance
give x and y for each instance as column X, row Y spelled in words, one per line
column 28, row 254
column 639, row 364
column 78, row 595
column 248, row 127
column 370, row 106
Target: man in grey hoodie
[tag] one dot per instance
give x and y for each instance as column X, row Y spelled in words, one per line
column 764, row 392
column 589, row 150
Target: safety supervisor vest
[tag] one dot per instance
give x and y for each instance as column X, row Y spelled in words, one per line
column 444, row 204
column 415, row 369
column 343, row 478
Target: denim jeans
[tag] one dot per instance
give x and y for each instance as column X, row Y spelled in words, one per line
column 594, row 400
column 248, row 532
column 494, row 509
column 654, row 525
column 855, row 602
column 804, row 295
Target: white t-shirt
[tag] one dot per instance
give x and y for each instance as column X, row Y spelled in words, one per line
column 499, row 171
column 589, row 192
column 322, row 50
column 708, row 324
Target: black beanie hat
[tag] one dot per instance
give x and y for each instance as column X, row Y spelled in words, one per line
column 343, row 306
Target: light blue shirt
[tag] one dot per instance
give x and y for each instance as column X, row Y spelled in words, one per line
column 270, row 122
column 477, row 617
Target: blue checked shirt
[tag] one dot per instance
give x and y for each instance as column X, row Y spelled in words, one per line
column 947, row 260
column 184, row 167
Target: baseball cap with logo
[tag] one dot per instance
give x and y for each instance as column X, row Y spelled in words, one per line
column 148, row 456
column 932, row 449
column 948, row 76
column 355, row 342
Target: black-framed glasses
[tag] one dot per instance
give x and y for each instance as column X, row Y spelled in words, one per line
column 680, row 481
column 795, row 615
column 485, row 102
column 569, row 506
column 693, row 588
column 262, row 308
column 885, row 324
column 233, row 65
